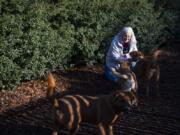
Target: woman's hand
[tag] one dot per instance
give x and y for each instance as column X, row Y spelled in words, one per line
column 124, row 76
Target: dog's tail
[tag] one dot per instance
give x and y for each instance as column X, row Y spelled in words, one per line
column 51, row 86
column 51, row 90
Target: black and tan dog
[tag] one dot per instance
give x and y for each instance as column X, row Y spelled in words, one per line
column 147, row 69
column 103, row 111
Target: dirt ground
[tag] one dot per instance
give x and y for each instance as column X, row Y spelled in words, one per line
column 26, row 111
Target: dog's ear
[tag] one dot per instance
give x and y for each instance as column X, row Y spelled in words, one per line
column 126, row 98
column 120, row 97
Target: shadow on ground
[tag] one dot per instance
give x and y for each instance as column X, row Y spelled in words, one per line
column 155, row 116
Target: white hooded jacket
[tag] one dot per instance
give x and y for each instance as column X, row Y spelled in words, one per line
column 115, row 52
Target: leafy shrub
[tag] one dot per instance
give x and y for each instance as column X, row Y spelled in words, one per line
column 152, row 26
column 10, row 73
column 30, row 45
column 38, row 36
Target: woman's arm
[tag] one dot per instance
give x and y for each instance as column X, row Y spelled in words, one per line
column 117, row 52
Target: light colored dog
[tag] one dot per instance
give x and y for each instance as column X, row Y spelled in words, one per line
column 103, row 111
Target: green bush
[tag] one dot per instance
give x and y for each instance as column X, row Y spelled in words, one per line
column 38, row 36
column 153, row 27
column 29, row 43
column 10, row 73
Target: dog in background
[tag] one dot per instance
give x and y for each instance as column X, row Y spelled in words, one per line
column 103, row 111
column 147, row 69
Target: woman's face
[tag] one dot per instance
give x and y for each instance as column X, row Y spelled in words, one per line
column 127, row 37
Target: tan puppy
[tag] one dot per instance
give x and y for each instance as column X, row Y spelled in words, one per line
column 148, row 70
column 102, row 111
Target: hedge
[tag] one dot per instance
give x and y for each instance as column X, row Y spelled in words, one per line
column 41, row 35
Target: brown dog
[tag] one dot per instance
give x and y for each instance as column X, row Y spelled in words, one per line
column 127, row 81
column 147, row 69
column 102, row 111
